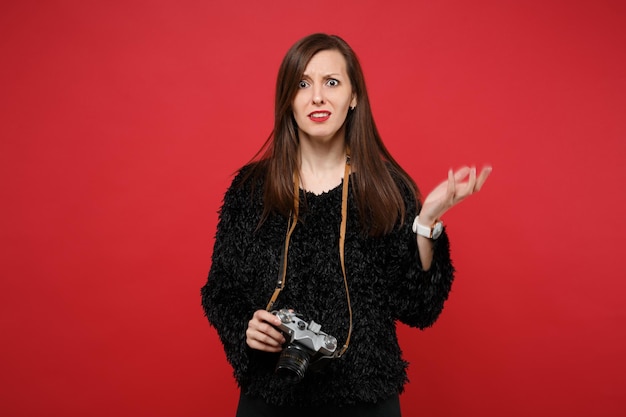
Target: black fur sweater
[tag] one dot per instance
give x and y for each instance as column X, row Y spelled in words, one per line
column 386, row 284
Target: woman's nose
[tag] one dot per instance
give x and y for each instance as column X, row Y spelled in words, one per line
column 318, row 97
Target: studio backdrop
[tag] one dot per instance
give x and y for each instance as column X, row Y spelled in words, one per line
column 122, row 123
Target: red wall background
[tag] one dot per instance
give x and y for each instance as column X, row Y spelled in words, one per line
column 121, row 123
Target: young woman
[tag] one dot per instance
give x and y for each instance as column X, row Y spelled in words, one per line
column 323, row 243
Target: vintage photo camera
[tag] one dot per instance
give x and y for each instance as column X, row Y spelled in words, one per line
column 306, row 344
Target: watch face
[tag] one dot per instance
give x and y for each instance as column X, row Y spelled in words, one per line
column 437, row 230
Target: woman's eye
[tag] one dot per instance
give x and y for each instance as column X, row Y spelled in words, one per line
column 303, row 84
column 332, row 82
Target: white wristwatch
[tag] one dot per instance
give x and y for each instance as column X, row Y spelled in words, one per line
column 429, row 232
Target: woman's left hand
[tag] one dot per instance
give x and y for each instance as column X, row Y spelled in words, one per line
column 459, row 185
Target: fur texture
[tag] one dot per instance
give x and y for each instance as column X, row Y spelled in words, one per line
column 385, row 279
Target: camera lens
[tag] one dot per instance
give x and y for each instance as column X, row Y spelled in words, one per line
column 292, row 363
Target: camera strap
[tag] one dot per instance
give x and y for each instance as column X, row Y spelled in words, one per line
column 291, row 225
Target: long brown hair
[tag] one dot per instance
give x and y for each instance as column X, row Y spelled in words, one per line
column 379, row 201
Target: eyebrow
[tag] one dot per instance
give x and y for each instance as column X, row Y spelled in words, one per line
column 331, row 74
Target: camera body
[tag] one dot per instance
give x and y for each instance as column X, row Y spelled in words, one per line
column 305, row 343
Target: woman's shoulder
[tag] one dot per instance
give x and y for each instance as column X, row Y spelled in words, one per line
column 250, row 175
column 245, row 192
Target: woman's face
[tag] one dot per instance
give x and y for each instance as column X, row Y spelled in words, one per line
column 324, row 97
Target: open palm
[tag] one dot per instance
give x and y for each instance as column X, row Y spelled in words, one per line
column 459, row 185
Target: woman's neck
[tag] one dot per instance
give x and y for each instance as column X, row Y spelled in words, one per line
column 321, row 167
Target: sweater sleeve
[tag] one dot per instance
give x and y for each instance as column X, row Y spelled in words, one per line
column 420, row 295
column 225, row 297
column 417, row 297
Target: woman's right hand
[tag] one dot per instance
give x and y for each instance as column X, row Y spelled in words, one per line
column 261, row 333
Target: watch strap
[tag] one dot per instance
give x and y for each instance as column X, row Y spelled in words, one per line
column 425, row 231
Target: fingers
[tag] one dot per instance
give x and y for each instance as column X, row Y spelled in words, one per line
column 471, row 182
column 451, row 186
column 461, row 173
column 484, row 174
column 474, row 183
column 266, row 316
column 457, row 188
column 261, row 333
column 459, row 185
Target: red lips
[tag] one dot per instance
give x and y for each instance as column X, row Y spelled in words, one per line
column 319, row 116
